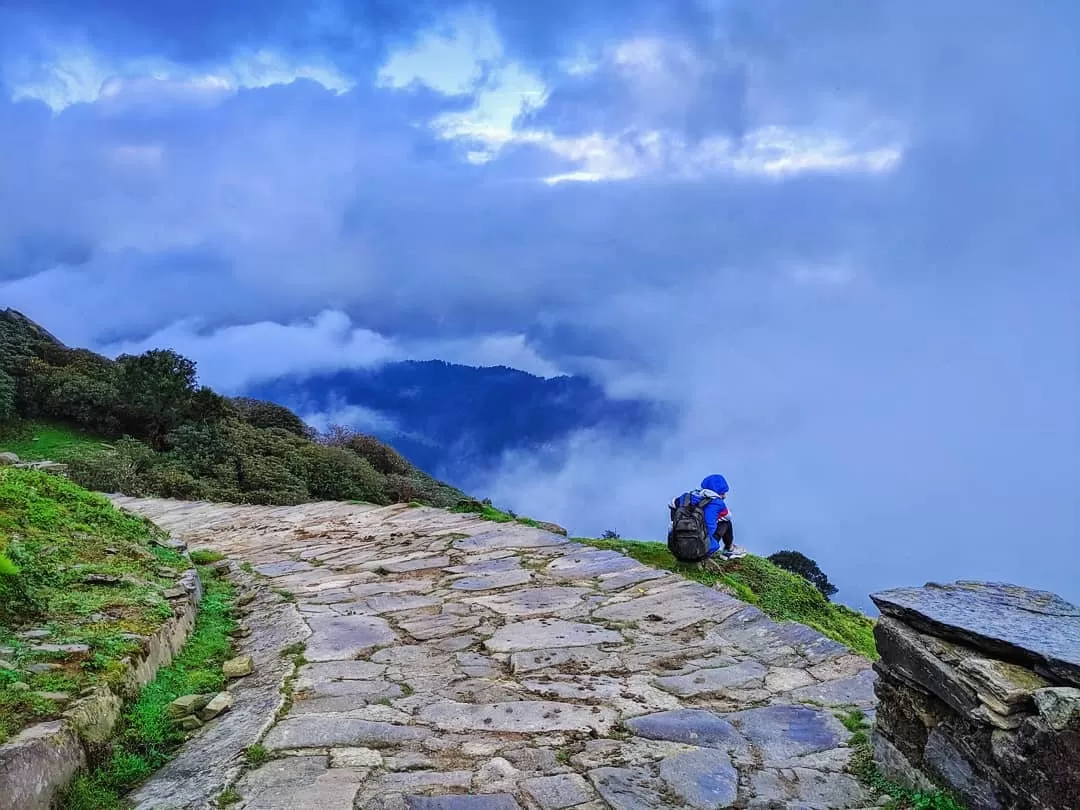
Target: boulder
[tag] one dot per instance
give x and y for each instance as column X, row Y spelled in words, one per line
column 221, row 702
column 187, row 704
column 238, row 667
column 8, row 459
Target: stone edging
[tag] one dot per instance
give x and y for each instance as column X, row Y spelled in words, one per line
column 43, row 759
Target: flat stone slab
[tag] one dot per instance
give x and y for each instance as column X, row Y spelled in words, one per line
column 785, row 731
column 857, row 690
column 521, row 716
column 704, row 778
column 672, row 610
column 691, row 726
column 445, row 624
column 417, row 564
column 536, row 634
column 305, row 781
column 493, row 801
column 629, row 789
column 493, row 580
column 339, row 638
column 558, row 792
column 705, row 681
column 589, row 659
column 335, row 731
column 589, row 564
column 279, row 569
column 529, row 601
column 522, row 537
column 1011, row 622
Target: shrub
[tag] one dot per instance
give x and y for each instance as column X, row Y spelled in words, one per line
column 798, row 563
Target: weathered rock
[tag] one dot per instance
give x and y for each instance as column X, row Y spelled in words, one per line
column 666, row 612
column 66, row 650
column 103, row 579
column 37, row 761
column 238, row 667
column 531, row 601
column 1005, row 688
column 703, row 778
column 705, row 681
column 493, row 801
column 524, row 716
column 558, row 792
column 785, row 731
column 337, row 638
column 589, row 659
column 221, row 702
column 10, row 666
column 691, row 726
column 629, row 789
column 190, row 723
column 1058, row 706
column 187, row 704
column 35, row 634
column 303, row 781
column 280, row 569
column 1037, row 628
column 337, row 731
column 536, row 634
column 858, row 690
column 8, row 459
column 355, row 758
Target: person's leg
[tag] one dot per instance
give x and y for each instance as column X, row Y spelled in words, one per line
column 727, row 534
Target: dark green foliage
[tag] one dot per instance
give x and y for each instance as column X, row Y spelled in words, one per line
column 610, row 534
column 175, row 440
column 156, row 390
column 798, row 563
column 7, row 397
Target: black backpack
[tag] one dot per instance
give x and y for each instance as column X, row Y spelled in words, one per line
column 688, row 538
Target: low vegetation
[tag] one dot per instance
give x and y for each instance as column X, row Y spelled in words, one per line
column 73, row 571
column 148, row 738
column 779, row 593
column 485, row 511
column 901, row 798
column 141, row 425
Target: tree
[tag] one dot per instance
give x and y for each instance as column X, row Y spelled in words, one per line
column 798, row 563
column 261, row 414
column 156, row 390
column 7, row 397
column 610, row 534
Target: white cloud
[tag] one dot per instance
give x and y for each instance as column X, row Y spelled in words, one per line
column 78, row 74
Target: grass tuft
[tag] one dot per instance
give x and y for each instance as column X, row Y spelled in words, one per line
column 781, row 594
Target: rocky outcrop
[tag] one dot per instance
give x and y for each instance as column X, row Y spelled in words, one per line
column 978, row 692
column 40, row 761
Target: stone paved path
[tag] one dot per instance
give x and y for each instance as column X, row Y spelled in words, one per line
column 458, row 664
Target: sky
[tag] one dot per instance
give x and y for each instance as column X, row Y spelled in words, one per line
column 840, row 238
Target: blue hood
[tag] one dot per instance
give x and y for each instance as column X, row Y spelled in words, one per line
column 717, row 483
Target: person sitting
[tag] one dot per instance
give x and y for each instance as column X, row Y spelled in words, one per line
column 701, row 523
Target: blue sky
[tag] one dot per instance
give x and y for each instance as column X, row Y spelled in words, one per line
column 841, row 237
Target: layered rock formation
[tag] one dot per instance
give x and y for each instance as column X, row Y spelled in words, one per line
column 978, row 692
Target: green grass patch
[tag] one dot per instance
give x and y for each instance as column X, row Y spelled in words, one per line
column 148, row 737
column 256, row 755
column 900, row 797
column 779, row 593
column 75, row 567
column 43, row 441
column 204, row 557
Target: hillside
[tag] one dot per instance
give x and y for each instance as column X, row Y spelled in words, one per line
column 453, row 418
column 142, row 425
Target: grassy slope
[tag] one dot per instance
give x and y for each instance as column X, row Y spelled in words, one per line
column 41, row 441
column 56, row 534
column 148, row 738
column 777, row 592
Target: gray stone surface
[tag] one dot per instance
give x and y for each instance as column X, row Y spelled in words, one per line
column 703, row 778
column 454, row 664
column 1007, row 621
column 537, row 634
column 786, row 731
column 339, row 638
column 857, row 690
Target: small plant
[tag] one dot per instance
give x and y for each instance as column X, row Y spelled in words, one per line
column 256, row 755
column 206, row 557
column 288, row 596
column 229, row 797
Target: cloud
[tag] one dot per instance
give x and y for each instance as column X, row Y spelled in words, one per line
column 844, row 256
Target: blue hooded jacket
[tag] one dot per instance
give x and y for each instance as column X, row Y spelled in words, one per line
column 712, row 487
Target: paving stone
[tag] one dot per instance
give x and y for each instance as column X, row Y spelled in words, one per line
column 492, row 581
column 530, row 601
column 417, row 564
column 703, row 778
column 504, row 538
column 705, row 681
column 355, row 758
column 691, row 726
column 523, row 716
column 590, row 659
column 505, row 561
column 439, row 626
column 629, row 789
column 329, row 730
column 785, row 731
column 493, row 801
column 388, row 603
column 279, row 569
column 343, row 696
column 339, row 638
column 535, row 634
column 784, row 679
column 304, row 781
column 668, row 611
column 857, row 690
column 559, row 791
column 591, row 563
column 309, row 675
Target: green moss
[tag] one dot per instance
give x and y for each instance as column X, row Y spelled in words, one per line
column 204, row 557
column 55, row 538
column 148, row 738
column 256, row 755
column 779, row 593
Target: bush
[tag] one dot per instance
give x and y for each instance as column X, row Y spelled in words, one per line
column 798, row 563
